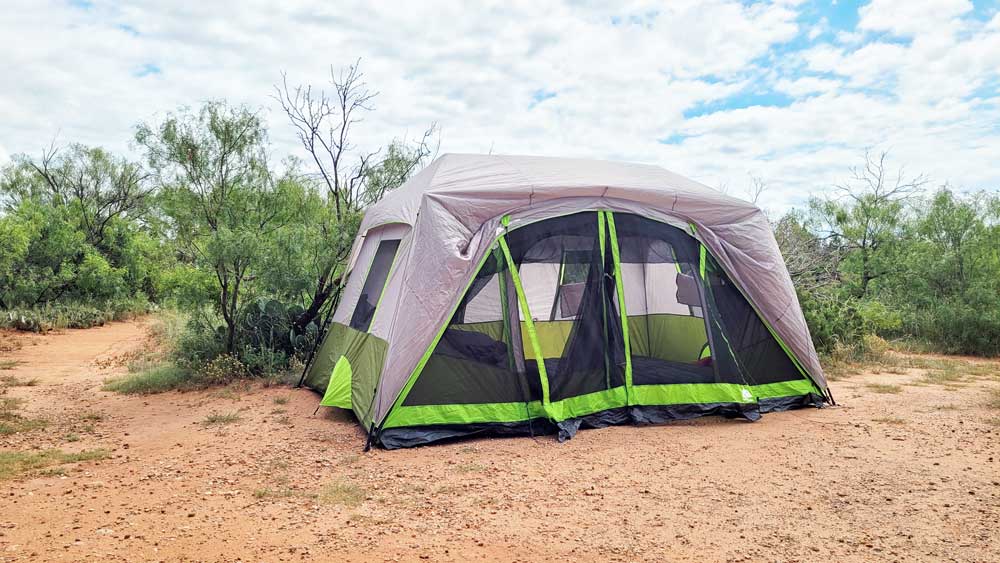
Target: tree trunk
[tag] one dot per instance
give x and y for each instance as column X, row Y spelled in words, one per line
column 320, row 297
column 866, row 275
column 233, row 310
column 225, row 308
column 230, row 337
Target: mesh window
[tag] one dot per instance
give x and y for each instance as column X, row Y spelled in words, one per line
column 760, row 356
column 378, row 273
column 568, row 279
column 479, row 358
column 665, row 299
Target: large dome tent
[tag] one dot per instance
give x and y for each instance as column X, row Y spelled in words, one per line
column 528, row 295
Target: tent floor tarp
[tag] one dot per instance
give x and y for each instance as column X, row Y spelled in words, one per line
column 394, row 438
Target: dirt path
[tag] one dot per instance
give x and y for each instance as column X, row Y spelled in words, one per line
column 908, row 469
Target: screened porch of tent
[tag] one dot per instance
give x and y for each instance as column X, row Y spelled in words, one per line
column 541, row 332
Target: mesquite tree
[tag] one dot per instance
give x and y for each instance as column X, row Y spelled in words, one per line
column 324, row 123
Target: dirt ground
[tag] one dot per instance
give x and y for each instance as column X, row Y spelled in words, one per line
column 905, row 469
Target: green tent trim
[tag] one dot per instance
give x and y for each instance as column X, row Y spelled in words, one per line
column 338, row 391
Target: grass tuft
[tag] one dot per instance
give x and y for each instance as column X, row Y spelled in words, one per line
column 883, row 388
column 12, row 422
column 158, row 379
column 280, row 400
column 890, row 420
column 17, row 464
column 221, row 419
column 342, row 493
column 11, row 381
column 9, row 364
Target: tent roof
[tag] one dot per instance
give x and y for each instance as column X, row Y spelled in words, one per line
column 535, row 177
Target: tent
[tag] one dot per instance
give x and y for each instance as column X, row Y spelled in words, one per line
column 528, row 295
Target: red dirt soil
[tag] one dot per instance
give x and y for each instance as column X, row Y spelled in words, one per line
column 912, row 475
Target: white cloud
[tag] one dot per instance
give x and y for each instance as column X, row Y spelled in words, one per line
column 911, row 17
column 806, row 85
column 623, row 78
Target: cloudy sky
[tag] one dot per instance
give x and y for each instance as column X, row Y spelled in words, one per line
column 788, row 91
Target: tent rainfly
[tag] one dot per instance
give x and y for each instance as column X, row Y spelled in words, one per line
column 525, row 295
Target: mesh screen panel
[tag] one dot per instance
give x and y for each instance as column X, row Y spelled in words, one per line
column 592, row 357
column 480, row 357
column 670, row 338
column 760, row 356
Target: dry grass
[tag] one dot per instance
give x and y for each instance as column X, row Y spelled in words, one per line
column 16, row 464
column 221, row 419
column 890, row 420
column 993, row 399
column 339, row 492
column 884, row 388
column 9, row 364
column 11, row 381
column 469, row 468
column 342, row 493
column 12, row 422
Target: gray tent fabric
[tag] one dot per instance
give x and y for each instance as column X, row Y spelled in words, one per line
column 455, row 207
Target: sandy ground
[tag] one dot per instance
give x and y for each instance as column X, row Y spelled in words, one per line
column 906, row 476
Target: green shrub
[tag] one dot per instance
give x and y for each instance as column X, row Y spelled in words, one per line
column 956, row 326
column 834, row 320
column 73, row 315
column 222, row 370
column 198, row 343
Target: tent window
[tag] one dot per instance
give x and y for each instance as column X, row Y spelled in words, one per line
column 378, row 273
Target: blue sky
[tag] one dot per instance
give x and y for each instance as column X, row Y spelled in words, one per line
column 788, row 91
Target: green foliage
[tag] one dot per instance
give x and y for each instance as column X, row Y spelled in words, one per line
column 935, row 278
column 948, row 285
column 222, row 370
column 72, row 315
column 206, row 224
column 223, row 203
column 73, row 229
column 201, row 341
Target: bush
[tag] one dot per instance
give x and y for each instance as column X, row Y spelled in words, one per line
column 846, row 329
column 198, row 344
column 834, row 320
column 222, row 370
column 957, row 327
column 266, row 340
